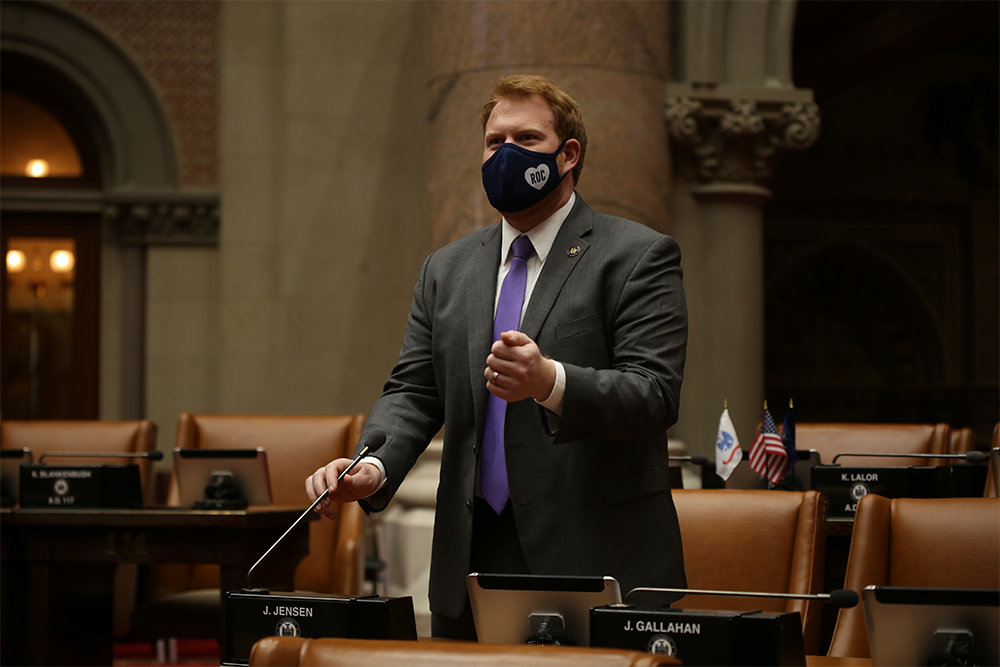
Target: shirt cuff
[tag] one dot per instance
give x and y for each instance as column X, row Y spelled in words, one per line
column 381, row 471
column 554, row 402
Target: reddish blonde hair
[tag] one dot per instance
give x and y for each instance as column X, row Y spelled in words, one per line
column 566, row 115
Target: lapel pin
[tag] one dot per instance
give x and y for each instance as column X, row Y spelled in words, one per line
column 573, row 251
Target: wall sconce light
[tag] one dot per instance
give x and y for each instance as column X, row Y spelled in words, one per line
column 37, row 169
column 62, row 261
column 16, row 261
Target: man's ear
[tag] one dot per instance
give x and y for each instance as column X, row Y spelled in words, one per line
column 569, row 155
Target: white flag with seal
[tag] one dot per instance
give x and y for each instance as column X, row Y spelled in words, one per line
column 727, row 447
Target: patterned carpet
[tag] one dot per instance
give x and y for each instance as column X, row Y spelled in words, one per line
column 190, row 652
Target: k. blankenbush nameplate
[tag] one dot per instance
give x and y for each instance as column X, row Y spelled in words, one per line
column 80, row 487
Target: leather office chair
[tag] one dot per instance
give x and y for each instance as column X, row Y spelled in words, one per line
column 92, row 436
column 992, row 487
column 961, row 440
column 183, row 600
column 755, row 540
column 832, row 439
column 293, row 651
column 920, row 542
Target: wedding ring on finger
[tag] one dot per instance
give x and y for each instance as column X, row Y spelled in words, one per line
column 495, row 375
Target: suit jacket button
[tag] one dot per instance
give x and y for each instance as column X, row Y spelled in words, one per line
column 468, row 505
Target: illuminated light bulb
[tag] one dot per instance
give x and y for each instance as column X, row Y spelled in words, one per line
column 61, row 261
column 37, row 169
column 16, row 261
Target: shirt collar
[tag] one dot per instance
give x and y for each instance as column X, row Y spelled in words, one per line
column 542, row 235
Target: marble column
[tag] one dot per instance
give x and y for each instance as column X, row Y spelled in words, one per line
column 726, row 141
column 611, row 57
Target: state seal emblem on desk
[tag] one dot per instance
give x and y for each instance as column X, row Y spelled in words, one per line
column 287, row 627
column 662, row 645
column 859, row 491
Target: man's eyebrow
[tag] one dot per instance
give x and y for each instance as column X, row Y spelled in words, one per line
column 526, row 129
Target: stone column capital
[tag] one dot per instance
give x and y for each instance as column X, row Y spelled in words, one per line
column 736, row 134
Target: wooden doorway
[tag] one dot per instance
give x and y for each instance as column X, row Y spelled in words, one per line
column 50, row 316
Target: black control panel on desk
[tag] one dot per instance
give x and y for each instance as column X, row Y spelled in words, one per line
column 80, row 487
column 846, row 485
column 701, row 636
column 253, row 614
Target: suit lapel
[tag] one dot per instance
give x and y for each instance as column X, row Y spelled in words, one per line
column 482, row 293
column 567, row 250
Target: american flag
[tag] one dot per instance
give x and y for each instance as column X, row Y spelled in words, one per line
column 768, row 457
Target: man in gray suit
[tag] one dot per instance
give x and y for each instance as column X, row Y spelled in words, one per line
column 551, row 348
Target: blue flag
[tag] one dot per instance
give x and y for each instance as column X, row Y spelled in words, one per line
column 788, row 437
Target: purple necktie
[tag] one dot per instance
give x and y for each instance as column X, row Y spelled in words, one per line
column 493, row 473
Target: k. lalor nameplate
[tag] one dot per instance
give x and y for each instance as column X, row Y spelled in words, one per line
column 701, row 636
column 251, row 616
column 80, row 487
column 845, row 486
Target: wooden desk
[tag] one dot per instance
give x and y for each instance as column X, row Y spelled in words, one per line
column 58, row 568
column 6, row 591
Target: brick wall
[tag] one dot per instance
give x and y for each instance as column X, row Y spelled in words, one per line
column 176, row 45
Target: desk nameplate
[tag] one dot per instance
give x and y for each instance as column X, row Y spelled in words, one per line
column 702, row 636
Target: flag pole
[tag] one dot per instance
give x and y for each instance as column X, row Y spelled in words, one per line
column 767, row 459
column 792, row 471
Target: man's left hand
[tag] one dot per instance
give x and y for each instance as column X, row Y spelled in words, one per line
column 516, row 369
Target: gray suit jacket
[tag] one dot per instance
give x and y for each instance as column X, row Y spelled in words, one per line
column 594, row 497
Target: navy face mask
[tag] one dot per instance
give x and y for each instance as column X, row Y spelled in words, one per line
column 515, row 178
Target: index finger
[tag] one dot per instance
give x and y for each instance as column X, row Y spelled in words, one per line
column 316, row 484
column 514, row 337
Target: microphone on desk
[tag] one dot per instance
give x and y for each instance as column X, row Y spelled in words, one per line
column 972, row 457
column 697, row 459
column 375, row 441
column 841, row 598
column 152, row 456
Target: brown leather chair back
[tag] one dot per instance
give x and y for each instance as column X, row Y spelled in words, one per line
column 42, row 437
column 993, row 475
column 832, row 439
column 920, row 542
column 755, row 540
column 292, row 651
column 296, row 447
column 961, row 440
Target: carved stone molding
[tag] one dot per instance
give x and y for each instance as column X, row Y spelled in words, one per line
column 734, row 135
column 179, row 219
column 130, row 218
